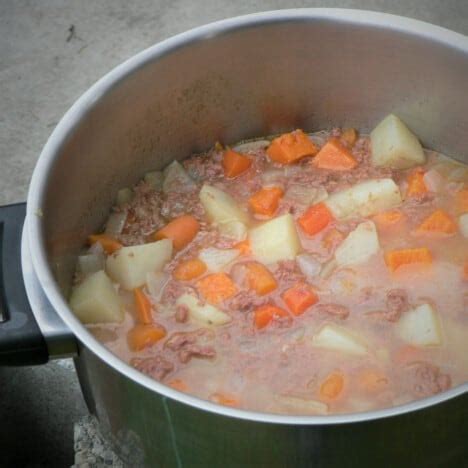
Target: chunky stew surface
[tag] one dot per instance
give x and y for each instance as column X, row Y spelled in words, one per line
column 302, row 274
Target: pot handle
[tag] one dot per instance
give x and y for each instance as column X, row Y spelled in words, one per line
column 22, row 340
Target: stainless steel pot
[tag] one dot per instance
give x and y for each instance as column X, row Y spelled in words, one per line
column 238, row 78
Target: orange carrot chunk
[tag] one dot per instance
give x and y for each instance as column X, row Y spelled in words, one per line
column 416, row 185
column 189, row 270
column 332, row 386
column 461, row 201
column 263, row 315
column 108, row 243
column 316, row 218
column 260, row 279
column 349, row 136
column 372, row 381
column 291, row 147
column 224, row 399
column 235, row 163
column 181, row 231
column 388, row 218
column 216, row 287
column 396, row 258
column 143, row 335
column 243, row 247
column 439, row 222
column 266, row 201
column 143, row 306
column 299, row 298
column 334, row 156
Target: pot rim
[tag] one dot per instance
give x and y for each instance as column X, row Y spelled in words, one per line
column 51, row 152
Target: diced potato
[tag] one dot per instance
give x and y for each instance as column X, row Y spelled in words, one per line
column 129, row 265
column 95, row 300
column 176, row 179
column 205, row 313
column 365, row 199
column 124, row 195
column 302, row 405
column 220, row 207
column 235, row 229
column 305, row 194
column 420, row 326
column 463, row 223
column 155, row 179
column 394, row 145
column 359, row 246
column 337, row 338
column 275, row 240
column 216, row 259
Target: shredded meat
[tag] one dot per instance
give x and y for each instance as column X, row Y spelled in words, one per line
column 397, row 303
column 173, row 290
column 206, row 167
column 182, row 313
column 187, row 344
column 179, row 203
column 288, row 273
column 245, row 301
column 426, row 379
column 156, row 367
column 335, row 310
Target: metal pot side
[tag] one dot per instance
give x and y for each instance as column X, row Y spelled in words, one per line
column 239, row 78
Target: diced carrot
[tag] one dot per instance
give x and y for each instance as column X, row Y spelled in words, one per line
column 332, row 239
column 438, row 222
column 216, row 287
column 263, row 315
column 143, row 306
column 349, row 136
column 181, row 231
column 235, row 163
column 332, row 386
column 407, row 354
column 178, row 384
column 299, row 298
column 143, row 335
column 290, row 147
column 334, row 156
column 461, row 201
column 108, row 243
column 416, row 185
column 388, row 218
column 259, row 278
column 396, row 258
column 224, row 399
column 266, row 201
column 316, row 218
column 372, row 381
column 189, row 270
column 243, row 247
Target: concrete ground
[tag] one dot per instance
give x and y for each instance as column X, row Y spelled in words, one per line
column 50, row 52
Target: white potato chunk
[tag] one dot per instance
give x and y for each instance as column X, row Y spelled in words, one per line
column 220, row 207
column 394, row 145
column 235, row 229
column 305, row 194
column 420, row 326
column 205, row 313
column 337, row 338
column 359, row 246
column 365, row 199
column 95, row 300
column 124, row 195
column 155, row 179
column 176, row 179
column 129, row 265
column 216, row 259
column 275, row 240
column 463, row 223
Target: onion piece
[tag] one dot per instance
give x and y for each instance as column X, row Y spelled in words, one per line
column 433, row 180
column 155, row 179
column 302, row 405
column 251, row 146
column 116, row 223
column 305, row 194
column 124, row 196
column 308, row 265
column 216, row 259
column 328, row 269
column 272, row 177
column 90, row 263
column 156, row 282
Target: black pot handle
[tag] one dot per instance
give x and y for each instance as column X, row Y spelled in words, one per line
column 21, row 340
